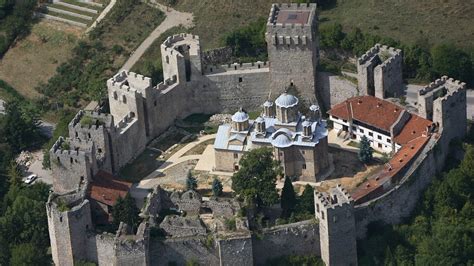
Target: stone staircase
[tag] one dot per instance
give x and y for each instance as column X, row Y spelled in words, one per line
column 73, row 12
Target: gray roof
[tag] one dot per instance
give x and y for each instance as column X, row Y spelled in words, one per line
column 240, row 116
column 286, row 100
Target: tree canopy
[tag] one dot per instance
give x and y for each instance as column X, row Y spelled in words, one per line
column 288, row 198
column 365, row 151
column 125, row 210
column 257, row 176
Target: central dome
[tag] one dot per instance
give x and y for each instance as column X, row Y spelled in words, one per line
column 286, row 100
column 240, row 116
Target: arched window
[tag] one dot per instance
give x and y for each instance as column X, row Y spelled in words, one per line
column 115, row 95
column 167, row 59
column 124, row 99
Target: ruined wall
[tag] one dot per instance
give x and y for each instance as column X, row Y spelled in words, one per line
column 182, row 250
column 67, row 232
column 292, row 239
column 236, row 250
column 335, row 89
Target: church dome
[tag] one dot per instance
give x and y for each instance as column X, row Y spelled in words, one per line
column 314, row 108
column 286, row 100
column 240, row 116
column 267, row 104
column 259, row 120
column 282, row 138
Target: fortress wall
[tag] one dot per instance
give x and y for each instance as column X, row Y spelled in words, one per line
column 231, row 94
column 334, row 89
column 129, row 142
column 69, row 167
column 104, row 246
column 182, row 250
column 399, row 203
column 236, row 251
column 293, row 239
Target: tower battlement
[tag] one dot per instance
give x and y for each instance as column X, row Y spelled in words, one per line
column 129, row 82
column 125, row 122
column 377, row 49
column 449, row 83
column 291, row 24
column 336, row 198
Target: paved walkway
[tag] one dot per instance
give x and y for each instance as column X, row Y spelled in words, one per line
column 102, row 15
column 173, row 18
column 175, row 159
column 337, row 142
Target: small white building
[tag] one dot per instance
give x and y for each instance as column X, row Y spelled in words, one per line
column 386, row 125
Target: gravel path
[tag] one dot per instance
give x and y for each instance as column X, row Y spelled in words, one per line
column 173, row 18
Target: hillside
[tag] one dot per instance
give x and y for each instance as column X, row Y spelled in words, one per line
column 408, row 21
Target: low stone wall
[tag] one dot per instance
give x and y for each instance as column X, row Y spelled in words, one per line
column 292, row 239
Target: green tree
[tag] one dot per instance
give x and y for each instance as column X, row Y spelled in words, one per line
column 365, row 151
column 451, row 61
column 21, row 126
column 306, row 201
column 216, row 187
column 256, row 177
column 28, row 254
column 331, row 35
column 288, row 198
column 191, row 182
column 125, row 210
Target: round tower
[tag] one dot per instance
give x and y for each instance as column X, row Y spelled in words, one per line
column 240, row 120
column 286, row 108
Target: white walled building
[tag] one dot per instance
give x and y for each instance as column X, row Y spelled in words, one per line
column 386, row 125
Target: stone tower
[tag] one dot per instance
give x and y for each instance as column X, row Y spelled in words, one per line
column 337, row 230
column 293, row 46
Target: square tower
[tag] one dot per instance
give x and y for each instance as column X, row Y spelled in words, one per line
column 335, row 211
column 293, row 48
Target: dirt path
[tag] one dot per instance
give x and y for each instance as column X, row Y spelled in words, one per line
column 173, row 18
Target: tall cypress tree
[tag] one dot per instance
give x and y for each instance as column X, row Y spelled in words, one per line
column 365, row 151
column 288, row 198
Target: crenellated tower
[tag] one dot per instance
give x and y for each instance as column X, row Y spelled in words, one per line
column 335, row 211
column 293, row 48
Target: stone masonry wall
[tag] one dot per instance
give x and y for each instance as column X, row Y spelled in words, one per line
column 236, row 251
column 182, row 250
column 335, row 89
column 293, row 239
column 399, row 203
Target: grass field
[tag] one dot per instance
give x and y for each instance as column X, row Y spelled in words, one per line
column 34, row 59
column 407, row 20
column 215, row 18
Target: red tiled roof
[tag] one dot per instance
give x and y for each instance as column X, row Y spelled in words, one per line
column 398, row 162
column 107, row 189
column 414, row 128
column 369, row 110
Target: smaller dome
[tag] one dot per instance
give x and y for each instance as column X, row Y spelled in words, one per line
column 240, row 116
column 286, row 100
column 281, row 141
column 259, row 120
column 267, row 103
column 314, row 108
